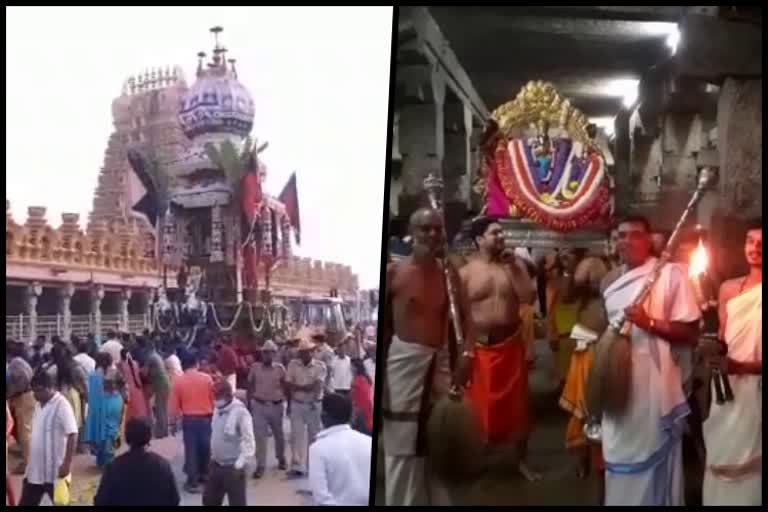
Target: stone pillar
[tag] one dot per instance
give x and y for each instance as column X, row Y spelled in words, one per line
column 148, row 294
column 125, row 297
column 422, row 144
column 97, row 295
column 457, row 165
column 622, row 154
column 65, row 301
column 33, row 292
column 669, row 174
column 740, row 144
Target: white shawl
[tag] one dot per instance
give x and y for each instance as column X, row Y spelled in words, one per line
column 640, row 438
column 733, row 431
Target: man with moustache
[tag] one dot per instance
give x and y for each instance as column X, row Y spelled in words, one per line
column 642, row 445
column 416, row 319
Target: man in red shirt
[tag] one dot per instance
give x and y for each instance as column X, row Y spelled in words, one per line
column 192, row 399
column 227, row 361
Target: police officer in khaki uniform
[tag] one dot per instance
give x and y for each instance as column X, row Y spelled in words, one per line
column 266, row 395
column 306, row 377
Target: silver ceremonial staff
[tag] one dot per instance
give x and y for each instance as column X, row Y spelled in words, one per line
column 434, row 186
column 608, row 384
column 453, row 431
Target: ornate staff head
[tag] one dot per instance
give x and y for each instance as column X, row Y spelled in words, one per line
column 707, row 178
column 434, row 186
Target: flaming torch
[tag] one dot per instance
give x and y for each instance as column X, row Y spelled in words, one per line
column 697, row 272
column 712, row 346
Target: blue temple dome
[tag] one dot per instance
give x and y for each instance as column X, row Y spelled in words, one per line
column 217, row 102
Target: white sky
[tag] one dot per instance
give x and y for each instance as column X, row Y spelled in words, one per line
column 319, row 78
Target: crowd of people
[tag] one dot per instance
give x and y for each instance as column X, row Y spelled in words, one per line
column 224, row 396
column 575, row 294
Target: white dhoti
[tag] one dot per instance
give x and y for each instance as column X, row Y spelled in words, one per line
column 643, row 445
column 411, row 370
column 733, row 432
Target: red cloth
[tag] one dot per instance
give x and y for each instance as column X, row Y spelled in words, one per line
column 362, row 399
column 290, row 199
column 596, row 456
column 226, row 360
column 499, row 390
column 137, row 403
column 250, row 201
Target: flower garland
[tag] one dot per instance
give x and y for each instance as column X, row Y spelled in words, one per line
column 271, row 318
column 593, row 209
column 234, row 319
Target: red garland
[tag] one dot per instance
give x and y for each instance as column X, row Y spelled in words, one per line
column 591, row 211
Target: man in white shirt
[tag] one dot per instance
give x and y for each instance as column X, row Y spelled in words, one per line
column 370, row 360
column 341, row 372
column 232, row 445
column 83, row 359
column 53, row 442
column 113, row 347
column 340, row 458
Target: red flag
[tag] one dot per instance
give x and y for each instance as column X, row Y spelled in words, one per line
column 290, row 198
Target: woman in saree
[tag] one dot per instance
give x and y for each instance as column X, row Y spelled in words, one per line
column 362, row 398
column 136, row 402
column 105, row 410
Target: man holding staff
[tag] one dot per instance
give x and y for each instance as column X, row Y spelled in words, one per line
column 416, row 370
column 642, row 444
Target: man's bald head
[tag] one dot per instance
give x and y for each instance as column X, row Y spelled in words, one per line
column 424, row 215
column 426, row 226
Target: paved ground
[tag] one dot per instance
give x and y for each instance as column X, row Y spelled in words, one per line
column 272, row 489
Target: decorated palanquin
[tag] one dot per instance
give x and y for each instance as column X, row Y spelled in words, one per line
column 541, row 161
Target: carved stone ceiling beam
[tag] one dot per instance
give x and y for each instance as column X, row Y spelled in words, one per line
column 713, row 49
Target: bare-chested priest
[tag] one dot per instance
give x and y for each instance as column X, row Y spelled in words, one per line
column 416, row 323
column 499, row 384
column 733, row 432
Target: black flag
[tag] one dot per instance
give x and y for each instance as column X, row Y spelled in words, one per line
column 142, row 193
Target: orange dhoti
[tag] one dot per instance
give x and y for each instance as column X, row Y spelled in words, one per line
column 499, row 390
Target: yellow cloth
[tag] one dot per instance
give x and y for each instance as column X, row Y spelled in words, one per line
column 23, row 407
column 564, row 317
column 73, row 397
column 573, row 397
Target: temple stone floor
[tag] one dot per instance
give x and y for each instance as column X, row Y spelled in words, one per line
column 500, row 484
